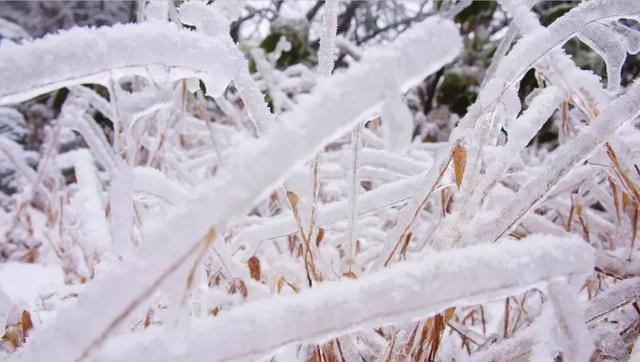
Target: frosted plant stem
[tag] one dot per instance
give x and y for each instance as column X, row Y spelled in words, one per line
column 325, row 61
column 415, row 211
column 314, row 202
column 119, row 137
column 328, row 38
column 51, row 149
column 214, row 142
column 354, row 191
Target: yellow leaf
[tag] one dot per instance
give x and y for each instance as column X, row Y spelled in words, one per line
column 459, row 163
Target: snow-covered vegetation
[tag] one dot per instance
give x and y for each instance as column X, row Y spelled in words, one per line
column 320, row 181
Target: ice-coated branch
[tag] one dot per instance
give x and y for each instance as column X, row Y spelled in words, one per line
column 158, row 50
column 403, row 292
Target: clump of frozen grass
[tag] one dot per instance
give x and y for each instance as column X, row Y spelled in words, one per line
column 203, row 224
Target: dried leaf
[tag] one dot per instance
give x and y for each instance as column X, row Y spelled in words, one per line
column 291, row 243
column 330, row 352
column 616, row 201
column 393, row 344
column 319, row 237
column 293, row 199
column 350, row 274
column 626, row 201
column 628, row 181
column 15, row 334
column 410, row 342
column 300, row 250
column 634, row 229
column 148, row 318
column 424, row 335
column 281, row 281
column 279, row 284
column 237, row 285
column 26, row 322
column 459, row 163
column 448, row 314
column 436, row 335
column 214, row 311
column 565, row 117
column 316, row 355
column 206, row 243
column 254, row 267
column 215, row 279
column 12, row 337
column 32, row 255
column 405, row 246
column 50, row 216
column 583, row 222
